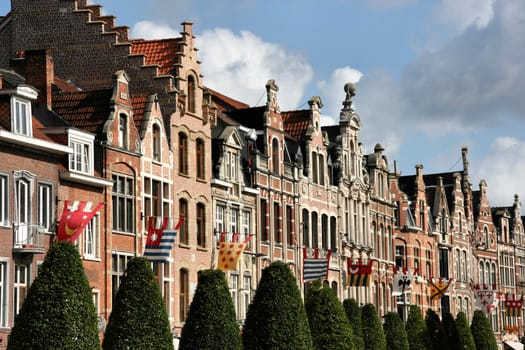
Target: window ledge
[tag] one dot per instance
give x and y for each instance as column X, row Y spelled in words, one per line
column 92, row 258
column 85, row 179
column 184, row 245
column 202, row 249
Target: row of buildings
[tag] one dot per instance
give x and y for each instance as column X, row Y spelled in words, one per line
column 87, row 113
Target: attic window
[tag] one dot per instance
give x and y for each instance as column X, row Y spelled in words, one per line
column 191, row 94
column 21, row 116
column 81, row 160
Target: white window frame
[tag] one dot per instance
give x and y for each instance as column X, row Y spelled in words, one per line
column 96, row 299
column 21, row 116
column 82, row 158
column 234, row 220
column 219, row 217
column 18, row 286
column 4, row 199
column 234, row 291
column 118, row 273
column 91, row 239
column 46, row 206
column 23, row 206
column 245, row 295
column 4, row 294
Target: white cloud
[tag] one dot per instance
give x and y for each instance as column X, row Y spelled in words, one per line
column 464, row 13
column 502, row 168
column 240, row 66
column 151, row 30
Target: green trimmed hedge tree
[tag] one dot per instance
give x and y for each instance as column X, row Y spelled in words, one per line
column 138, row 319
column 465, row 339
column 436, row 331
column 373, row 334
column 449, row 325
column 353, row 312
column 329, row 325
column 482, row 332
column 396, row 336
column 58, row 312
column 211, row 322
column 277, row 319
column 416, row 329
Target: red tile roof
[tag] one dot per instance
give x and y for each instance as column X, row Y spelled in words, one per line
column 225, row 103
column 161, row 52
column 85, row 110
column 138, row 102
column 296, row 123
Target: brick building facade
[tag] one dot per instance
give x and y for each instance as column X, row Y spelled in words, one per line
column 131, row 124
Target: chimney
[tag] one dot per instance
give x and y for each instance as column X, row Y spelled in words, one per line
column 38, row 68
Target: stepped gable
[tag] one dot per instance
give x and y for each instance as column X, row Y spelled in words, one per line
column 87, row 110
column 296, row 123
column 158, row 52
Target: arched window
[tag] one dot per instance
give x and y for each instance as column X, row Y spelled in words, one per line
column 324, row 231
column 486, row 236
column 199, row 148
column 458, row 265
column 315, row 230
column 191, row 94
column 352, row 157
column 465, row 265
column 306, row 228
column 201, row 225
column 275, row 156
column 156, row 142
column 482, row 273
column 333, row 233
column 183, row 294
column 183, row 229
column 460, row 223
column 335, row 289
column 321, row 169
column 183, row 153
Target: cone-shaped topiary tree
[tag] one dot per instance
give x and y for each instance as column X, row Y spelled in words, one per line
column 329, row 325
column 211, row 322
column 58, row 312
column 353, row 312
column 465, row 340
column 138, row 319
column 416, row 329
column 396, row 336
column 449, row 325
column 277, row 319
column 482, row 332
column 436, row 332
column 373, row 334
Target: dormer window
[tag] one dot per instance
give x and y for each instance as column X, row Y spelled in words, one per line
column 81, row 160
column 21, row 116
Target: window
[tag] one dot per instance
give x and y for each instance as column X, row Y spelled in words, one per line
column 183, row 294
column 23, row 207
column 275, row 156
column 321, row 169
column 428, row 263
column 201, row 225
column 21, row 113
column 183, row 230
column 443, row 263
column 333, row 233
column 191, row 94
column 156, row 198
column 95, row 293
column 230, row 166
column 277, row 223
column 20, row 286
column 119, row 262
column 156, row 142
column 246, row 225
column 315, row 230
column 123, row 131
column 234, row 220
column 306, row 228
column 400, row 257
column 290, row 225
column 314, row 168
column 416, row 259
column 199, row 150
column 234, row 286
column 246, row 295
column 92, row 238
column 324, row 231
column 4, row 307
column 4, row 199
column 183, row 153
column 486, row 236
column 422, row 215
column 162, row 273
column 219, row 218
column 79, row 160
column 264, row 220
column 123, row 197
column 46, row 208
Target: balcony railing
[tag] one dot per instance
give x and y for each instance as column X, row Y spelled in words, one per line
column 29, row 238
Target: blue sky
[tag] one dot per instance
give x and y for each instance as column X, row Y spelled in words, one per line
column 432, row 76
